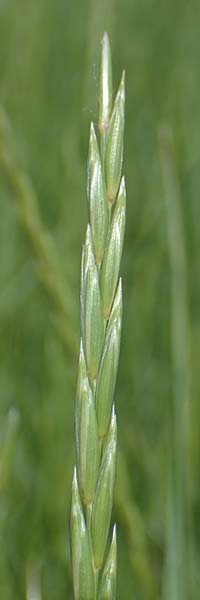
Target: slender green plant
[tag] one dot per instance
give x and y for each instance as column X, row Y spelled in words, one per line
column 93, row 546
column 48, row 263
column 178, row 563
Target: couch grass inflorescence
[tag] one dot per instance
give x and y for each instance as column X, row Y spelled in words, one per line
column 93, row 545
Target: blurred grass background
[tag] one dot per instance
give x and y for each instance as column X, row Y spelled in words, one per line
column 49, row 58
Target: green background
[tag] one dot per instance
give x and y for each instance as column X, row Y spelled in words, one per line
column 49, row 65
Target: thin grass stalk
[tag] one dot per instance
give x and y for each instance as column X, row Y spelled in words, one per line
column 93, row 545
column 177, row 572
column 48, row 263
column 131, row 519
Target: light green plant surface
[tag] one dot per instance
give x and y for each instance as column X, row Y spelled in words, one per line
column 94, row 551
column 48, row 88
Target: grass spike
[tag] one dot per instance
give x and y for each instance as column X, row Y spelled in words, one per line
column 101, row 316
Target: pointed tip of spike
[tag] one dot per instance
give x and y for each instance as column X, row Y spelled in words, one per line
column 88, row 235
column 82, row 365
column 113, row 421
column 105, row 40
column 123, row 77
column 120, row 97
column 93, row 144
column 114, row 537
column 113, row 546
column 122, row 187
column 105, row 92
column 81, row 348
column 119, row 290
column 117, row 304
column 105, row 37
column 92, row 132
column 91, row 128
column 88, row 246
column 122, row 86
column 74, row 481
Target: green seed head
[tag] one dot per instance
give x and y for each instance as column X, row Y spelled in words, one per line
column 101, row 316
